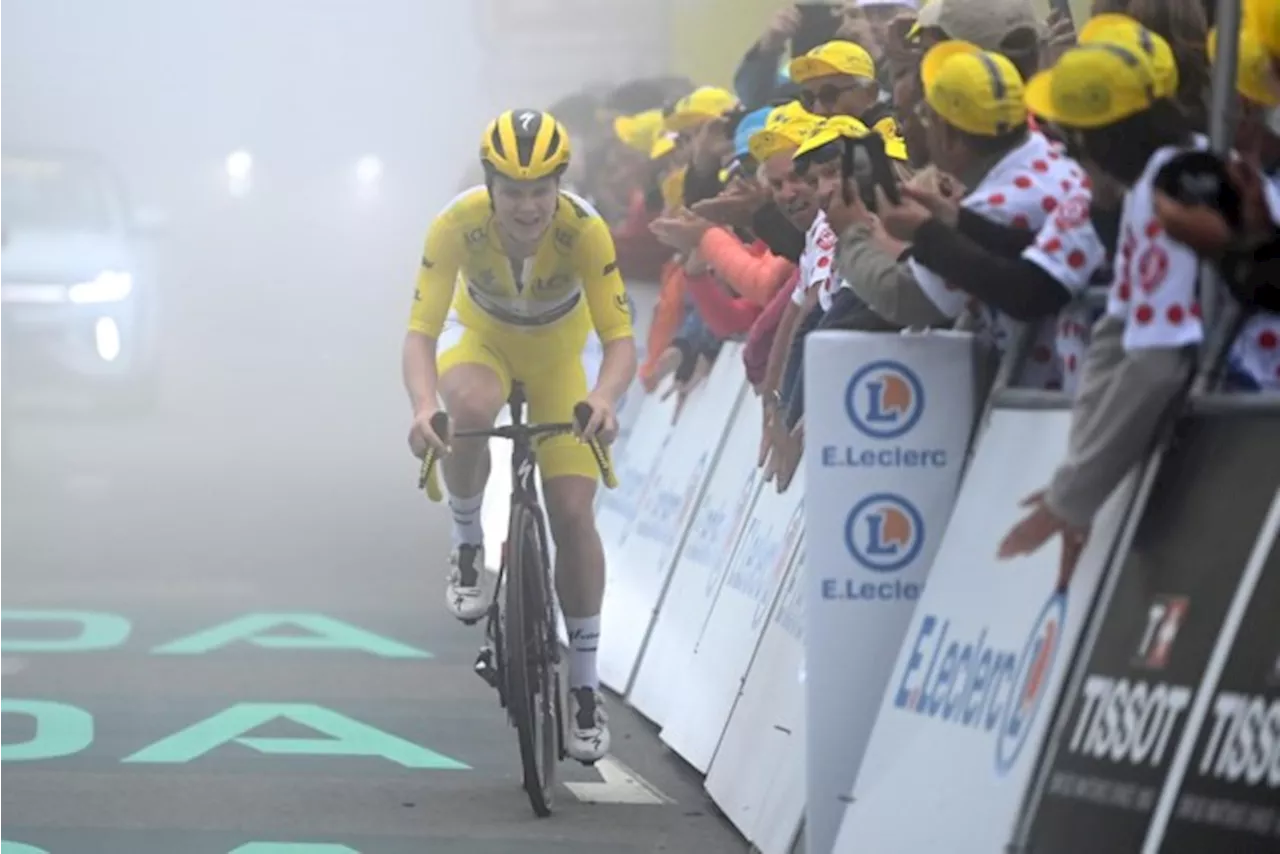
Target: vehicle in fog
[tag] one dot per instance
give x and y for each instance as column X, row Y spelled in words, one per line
column 79, row 308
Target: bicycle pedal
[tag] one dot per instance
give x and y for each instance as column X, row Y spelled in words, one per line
column 485, row 669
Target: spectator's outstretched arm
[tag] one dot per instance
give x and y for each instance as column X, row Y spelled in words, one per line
column 883, row 283
column 757, row 76
column 1120, row 403
column 1014, row 286
column 756, row 276
column 755, row 355
column 725, row 315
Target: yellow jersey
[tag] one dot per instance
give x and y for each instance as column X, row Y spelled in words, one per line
column 570, row 284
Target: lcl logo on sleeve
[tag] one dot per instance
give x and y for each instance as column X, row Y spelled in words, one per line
column 884, row 399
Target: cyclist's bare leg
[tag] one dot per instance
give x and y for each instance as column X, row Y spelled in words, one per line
column 473, row 396
column 580, row 586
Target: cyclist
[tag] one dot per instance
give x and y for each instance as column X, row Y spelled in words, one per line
column 536, row 275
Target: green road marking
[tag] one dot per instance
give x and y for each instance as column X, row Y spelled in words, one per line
column 288, row 848
column 61, row 730
column 327, row 634
column 347, row 737
column 7, row 847
column 97, row 631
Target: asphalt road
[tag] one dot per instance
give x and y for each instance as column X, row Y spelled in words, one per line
column 269, row 497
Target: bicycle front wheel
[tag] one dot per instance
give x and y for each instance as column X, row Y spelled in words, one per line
column 531, row 656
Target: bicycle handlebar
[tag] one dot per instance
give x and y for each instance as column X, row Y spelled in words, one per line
column 582, row 412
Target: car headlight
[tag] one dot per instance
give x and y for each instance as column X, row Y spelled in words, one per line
column 110, row 286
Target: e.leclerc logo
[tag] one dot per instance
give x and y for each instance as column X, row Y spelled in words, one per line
column 884, row 401
column 980, row 685
column 883, row 533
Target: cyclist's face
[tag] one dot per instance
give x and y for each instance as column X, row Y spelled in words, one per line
column 524, row 208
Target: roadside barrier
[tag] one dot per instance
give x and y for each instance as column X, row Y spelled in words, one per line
column 849, row 657
column 883, row 459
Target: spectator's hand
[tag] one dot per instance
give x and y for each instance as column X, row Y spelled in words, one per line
column 666, row 365
column 938, row 192
column 1060, row 36
column 841, row 214
column 711, row 144
column 681, row 230
column 683, row 388
column 901, row 220
column 898, row 51
column 1036, row 529
column 736, row 204
column 854, row 27
column 1205, row 229
column 783, row 26
column 769, row 411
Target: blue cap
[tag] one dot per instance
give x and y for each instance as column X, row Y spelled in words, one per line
column 751, row 123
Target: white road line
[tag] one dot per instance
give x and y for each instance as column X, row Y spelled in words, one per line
column 621, row 786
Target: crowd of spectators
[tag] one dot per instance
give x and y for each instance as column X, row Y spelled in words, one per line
column 962, row 164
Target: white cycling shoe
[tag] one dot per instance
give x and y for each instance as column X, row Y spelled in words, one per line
column 588, row 726
column 464, row 594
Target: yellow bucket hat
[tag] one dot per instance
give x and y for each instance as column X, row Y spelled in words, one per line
column 662, row 146
column 1256, row 78
column 1093, row 86
column 1128, row 33
column 781, row 136
column 699, row 107
column 836, row 127
column 974, row 90
column 834, row 57
column 639, row 131
column 1262, row 19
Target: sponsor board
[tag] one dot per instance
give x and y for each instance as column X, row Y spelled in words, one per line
column 985, row 654
column 883, row 467
column 1122, row 725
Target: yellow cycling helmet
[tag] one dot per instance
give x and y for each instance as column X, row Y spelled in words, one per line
column 525, row 145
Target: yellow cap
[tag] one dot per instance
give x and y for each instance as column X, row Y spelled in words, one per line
column 788, row 112
column 1128, row 33
column 837, row 57
column 699, row 107
column 672, row 188
column 894, row 145
column 781, row 136
column 974, row 90
column 836, row 127
column 1093, row 86
column 639, row 131
column 662, row 146
column 1256, row 79
column 1262, row 18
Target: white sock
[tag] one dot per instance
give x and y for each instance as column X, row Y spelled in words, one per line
column 466, row 520
column 584, row 636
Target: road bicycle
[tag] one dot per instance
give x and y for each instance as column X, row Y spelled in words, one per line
column 521, row 656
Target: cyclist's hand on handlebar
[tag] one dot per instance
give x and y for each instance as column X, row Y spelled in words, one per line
column 423, row 435
column 602, row 424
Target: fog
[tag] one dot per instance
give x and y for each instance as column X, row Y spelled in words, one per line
column 283, row 306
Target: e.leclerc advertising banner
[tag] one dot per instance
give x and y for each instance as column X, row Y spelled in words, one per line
column 1127, row 716
column 982, row 663
column 882, row 463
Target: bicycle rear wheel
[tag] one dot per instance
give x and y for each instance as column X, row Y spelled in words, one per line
column 531, row 657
